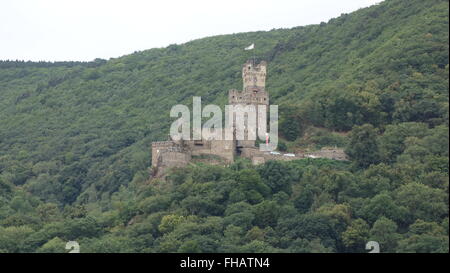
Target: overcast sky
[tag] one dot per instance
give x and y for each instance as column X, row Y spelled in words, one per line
column 82, row 30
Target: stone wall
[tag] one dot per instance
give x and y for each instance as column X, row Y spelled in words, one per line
column 259, row 157
column 158, row 147
column 169, row 154
column 257, row 160
column 256, row 98
column 171, row 159
column 330, row 153
column 251, row 152
column 224, row 148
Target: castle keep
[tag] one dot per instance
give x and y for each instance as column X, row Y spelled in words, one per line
column 171, row 153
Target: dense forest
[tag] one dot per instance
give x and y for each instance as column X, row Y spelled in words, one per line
column 75, row 143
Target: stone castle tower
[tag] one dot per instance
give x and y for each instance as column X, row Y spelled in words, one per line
column 253, row 93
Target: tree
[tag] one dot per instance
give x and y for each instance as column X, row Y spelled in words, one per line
column 425, row 243
column 5, row 187
column 12, row 239
column 384, row 231
column 251, row 185
column 233, row 237
column 425, row 237
column 55, row 245
column 257, row 247
column 266, row 214
column 340, row 215
column 384, row 205
column 356, row 236
column 306, row 246
column 278, row 176
column 363, row 147
column 282, row 146
column 423, row 202
column 309, row 226
column 292, row 122
column 170, row 222
column 304, row 200
column 392, row 142
column 48, row 212
column 190, row 246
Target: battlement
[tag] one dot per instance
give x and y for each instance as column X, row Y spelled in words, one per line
column 163, row 144
column 252, row 65
column 242, row 97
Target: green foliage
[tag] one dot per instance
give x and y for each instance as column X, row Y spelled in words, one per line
column 323, row 138
column 422, row 201
column 424, row 238
column 392, row 142
column 356, row 236
column 282, row 146
column 55, row 245
column 316, row 207
column 304, row 201
column 278, row 176
column 293, row 122
column 384, row 231
column 363, row 147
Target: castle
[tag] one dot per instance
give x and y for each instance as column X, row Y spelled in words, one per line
column 171, row 153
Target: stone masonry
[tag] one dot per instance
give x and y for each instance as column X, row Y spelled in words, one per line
column 170, row 154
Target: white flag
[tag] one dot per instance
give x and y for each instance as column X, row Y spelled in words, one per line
column 250, row 47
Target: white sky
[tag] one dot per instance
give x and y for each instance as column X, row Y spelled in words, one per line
column 82, row 30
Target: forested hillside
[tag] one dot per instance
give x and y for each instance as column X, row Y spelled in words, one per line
column 75, row 143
